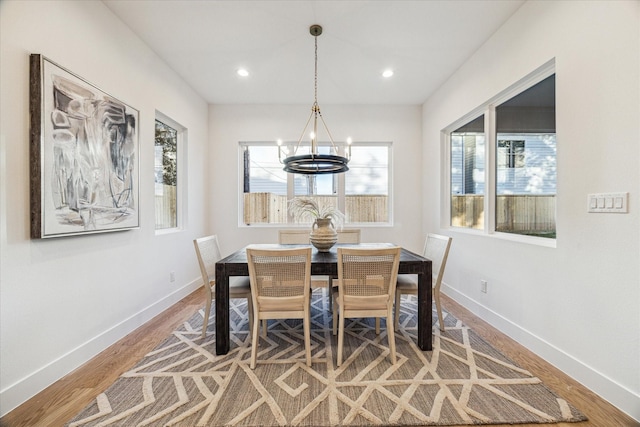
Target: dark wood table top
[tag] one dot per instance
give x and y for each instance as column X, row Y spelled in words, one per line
column 322, row 263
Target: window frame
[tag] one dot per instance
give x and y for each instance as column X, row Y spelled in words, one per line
column 181, row 175
column 513, row 156
column 340, row 184
column 490, row 172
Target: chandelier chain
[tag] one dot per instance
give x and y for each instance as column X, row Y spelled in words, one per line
column 315, row 163
column 315, row 84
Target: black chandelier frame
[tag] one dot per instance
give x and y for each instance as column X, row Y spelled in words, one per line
column 315, row 163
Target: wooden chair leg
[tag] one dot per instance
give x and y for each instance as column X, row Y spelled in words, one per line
column 205, row 321
column 396, row 320
column 377, row 326
column 340, row 338
column 254, row 341
column 391, row 338
column 250, row 309
column 335, row 319
column 307, row 336
column 439, row 310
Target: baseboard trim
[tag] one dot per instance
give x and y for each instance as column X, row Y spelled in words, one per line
column 15, row 394
column 618, row 395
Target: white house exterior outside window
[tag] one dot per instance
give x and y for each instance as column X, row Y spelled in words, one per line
column 507, row 185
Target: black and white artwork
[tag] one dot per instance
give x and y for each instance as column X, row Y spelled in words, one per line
column 84, row 156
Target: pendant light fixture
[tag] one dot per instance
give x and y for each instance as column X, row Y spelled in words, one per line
column 315, row 163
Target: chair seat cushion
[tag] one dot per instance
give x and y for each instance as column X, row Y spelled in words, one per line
column 283, row 304
column 375, row 302
column 319, row 281
column 239, row 287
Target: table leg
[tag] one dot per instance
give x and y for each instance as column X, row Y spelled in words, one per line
column 222, row 310
column 425, row 319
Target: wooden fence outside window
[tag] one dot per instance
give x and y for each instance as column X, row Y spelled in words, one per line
column 521, row 214
column 269, row 208
column 166, row 208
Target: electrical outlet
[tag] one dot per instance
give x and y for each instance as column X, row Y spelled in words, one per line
column 172, row 276
column 483, row 286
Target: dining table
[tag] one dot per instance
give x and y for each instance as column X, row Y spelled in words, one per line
column 323, row 264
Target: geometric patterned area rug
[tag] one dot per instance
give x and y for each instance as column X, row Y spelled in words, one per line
column 463, row 381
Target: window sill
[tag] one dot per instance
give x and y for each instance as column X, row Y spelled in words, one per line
column 520, row 238
column 164, row 231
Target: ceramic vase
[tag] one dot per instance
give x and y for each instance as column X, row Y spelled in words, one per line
column 323, row 234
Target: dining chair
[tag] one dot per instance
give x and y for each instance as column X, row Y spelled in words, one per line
column 436, row 248
column 366, row 286
column 297, row 236
column 301, row 237
column 208, row 253
column 349, row 235
column 280, row 289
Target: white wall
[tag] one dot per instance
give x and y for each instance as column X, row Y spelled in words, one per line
column 576, row 305
column 63, row 300
column 230, row 124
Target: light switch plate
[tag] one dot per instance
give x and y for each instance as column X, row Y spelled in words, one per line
column 608, row 202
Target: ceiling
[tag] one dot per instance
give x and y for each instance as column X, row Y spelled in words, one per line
column 206, row 41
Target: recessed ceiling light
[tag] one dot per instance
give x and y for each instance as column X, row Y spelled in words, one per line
column 242, row 72
column 387, row 73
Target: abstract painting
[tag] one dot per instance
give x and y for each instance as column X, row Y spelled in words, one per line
column 84, row 156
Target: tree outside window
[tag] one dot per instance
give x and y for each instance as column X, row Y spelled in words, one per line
column 166, row 176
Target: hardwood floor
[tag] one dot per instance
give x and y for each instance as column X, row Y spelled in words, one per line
column 600, row 412
column 62, row 400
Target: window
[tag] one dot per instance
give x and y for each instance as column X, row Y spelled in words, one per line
column 167, row 170
column 510, row 154
column 367, row 184
column 362, row 193
column 467, row 175
column 523, row 152
column 526, row 161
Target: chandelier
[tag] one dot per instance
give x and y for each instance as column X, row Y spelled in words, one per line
column 315, row 163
